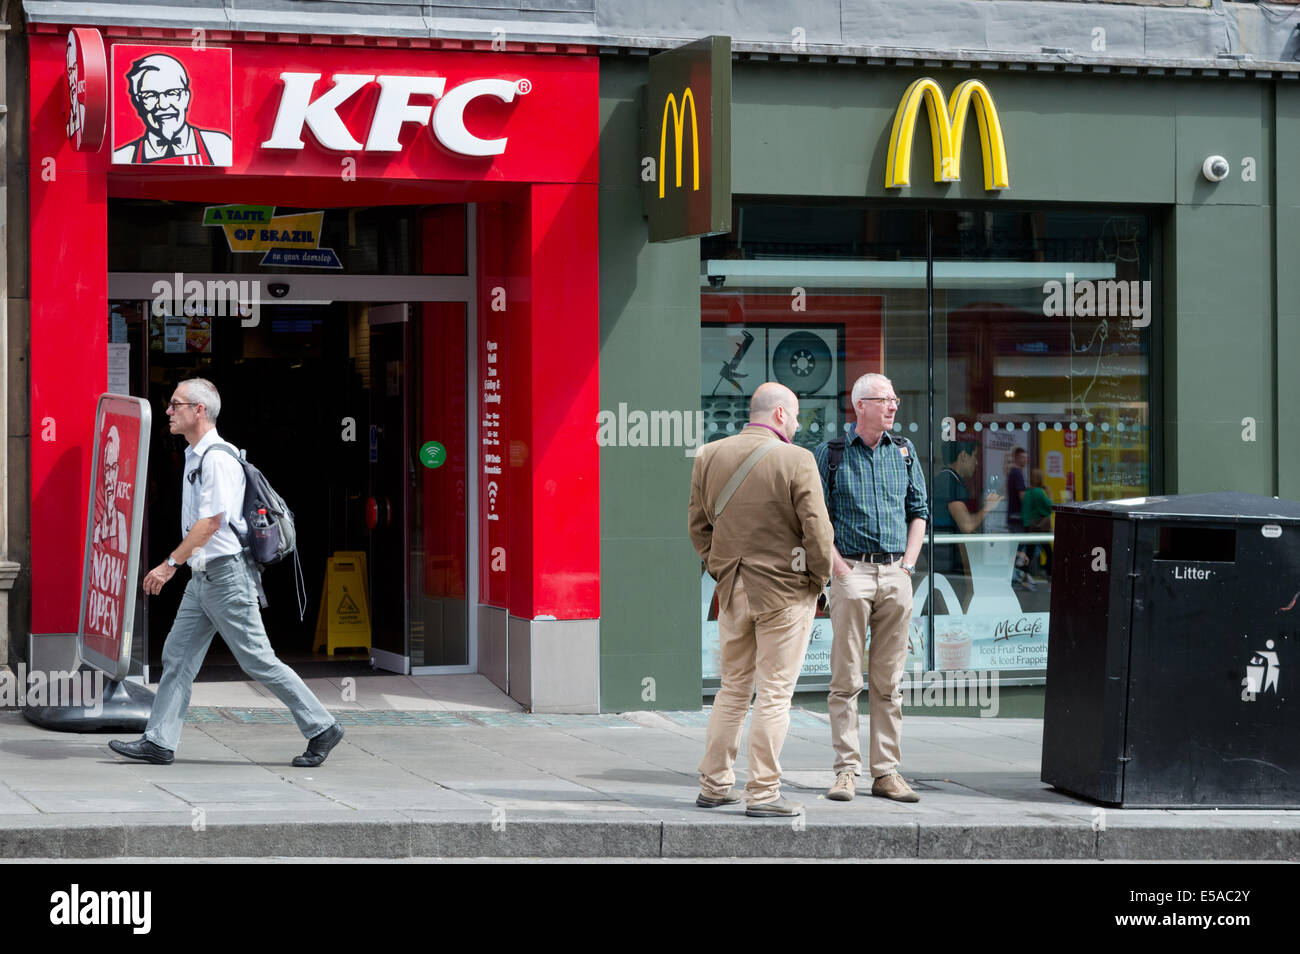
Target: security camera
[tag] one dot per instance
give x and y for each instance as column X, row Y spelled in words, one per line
column 1215, row 168
column 280, row 289
column 717, row 281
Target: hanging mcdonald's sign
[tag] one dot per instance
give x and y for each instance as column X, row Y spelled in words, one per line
column 679, row 131
column 947, row 129
column 686, row 165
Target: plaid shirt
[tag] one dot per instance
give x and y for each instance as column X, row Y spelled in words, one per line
column 876, row 494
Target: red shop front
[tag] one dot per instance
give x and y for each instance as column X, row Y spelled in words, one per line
column 384, row 254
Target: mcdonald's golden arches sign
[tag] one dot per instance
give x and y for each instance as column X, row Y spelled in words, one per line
column 947, row 129
column 686, row 165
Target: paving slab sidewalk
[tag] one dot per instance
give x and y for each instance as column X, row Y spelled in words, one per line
column 489, row 780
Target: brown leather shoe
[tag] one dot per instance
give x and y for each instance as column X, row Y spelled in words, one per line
column 731, row 797
column 893, row 787
column 781, row 808
column 845, row 787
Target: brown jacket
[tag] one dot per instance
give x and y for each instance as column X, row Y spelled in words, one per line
column 778, row 509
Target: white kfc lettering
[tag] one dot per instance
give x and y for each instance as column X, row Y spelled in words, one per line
column 393, row 110
column 449, row 117
column 297, row 108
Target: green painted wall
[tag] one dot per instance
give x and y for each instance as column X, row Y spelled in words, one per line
column 1286, row 248
column 825, row 132
column 1230, row 317
column 649, row 360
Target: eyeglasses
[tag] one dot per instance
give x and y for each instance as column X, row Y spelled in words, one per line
column 885, row 400
column 173, row 405
column 175, row 95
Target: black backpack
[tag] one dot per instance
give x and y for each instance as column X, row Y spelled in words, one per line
column 271, row 536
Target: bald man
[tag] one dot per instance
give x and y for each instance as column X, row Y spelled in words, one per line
column 758, row 520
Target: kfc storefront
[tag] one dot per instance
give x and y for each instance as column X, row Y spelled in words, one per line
column 384, row 254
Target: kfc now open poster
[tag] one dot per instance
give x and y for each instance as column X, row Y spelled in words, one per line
column 113, row 533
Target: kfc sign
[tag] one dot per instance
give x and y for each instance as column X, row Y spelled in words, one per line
column 445, row 115
column 172, row 106
column 87, row 89
column 113, row 526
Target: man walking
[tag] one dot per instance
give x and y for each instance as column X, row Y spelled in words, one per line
column 759, row 523
column 220, row 596
column 876, row 497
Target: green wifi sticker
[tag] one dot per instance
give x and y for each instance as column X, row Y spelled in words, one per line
column 433, row 454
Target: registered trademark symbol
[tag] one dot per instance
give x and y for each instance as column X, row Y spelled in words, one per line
column 524, row 87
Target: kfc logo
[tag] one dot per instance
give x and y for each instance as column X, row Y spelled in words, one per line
column 176, row 103
column 87, row 89
column 394, row 109
column 111, row 528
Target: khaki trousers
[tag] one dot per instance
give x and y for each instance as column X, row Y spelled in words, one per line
column 760, row 653
column 878, row 596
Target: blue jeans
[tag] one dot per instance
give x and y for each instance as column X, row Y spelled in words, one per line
column 224, row 598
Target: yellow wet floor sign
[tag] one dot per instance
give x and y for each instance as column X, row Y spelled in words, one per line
column 344, row 617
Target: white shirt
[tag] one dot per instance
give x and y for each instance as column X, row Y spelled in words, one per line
column 220, row 490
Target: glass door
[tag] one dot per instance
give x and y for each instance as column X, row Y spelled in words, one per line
column 417, row 505
column 385, row 503
column 1042, row 396
column 437, row 489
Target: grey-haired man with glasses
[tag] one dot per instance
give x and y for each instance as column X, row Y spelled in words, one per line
column 221, row 595
column 876, row 497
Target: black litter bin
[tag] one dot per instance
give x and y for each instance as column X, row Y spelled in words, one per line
column 1174, row 649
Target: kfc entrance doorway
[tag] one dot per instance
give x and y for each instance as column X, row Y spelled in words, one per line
column 352, row 394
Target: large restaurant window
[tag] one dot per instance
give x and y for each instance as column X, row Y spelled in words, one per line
column 1019, row 344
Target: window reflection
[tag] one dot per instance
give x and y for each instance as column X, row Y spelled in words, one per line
column 1035, row 333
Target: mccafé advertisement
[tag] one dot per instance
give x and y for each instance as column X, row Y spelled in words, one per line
column 114, row 521
column 991, row 641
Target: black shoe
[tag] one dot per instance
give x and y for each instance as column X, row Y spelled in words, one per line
column 319, row 746
column 143, row 750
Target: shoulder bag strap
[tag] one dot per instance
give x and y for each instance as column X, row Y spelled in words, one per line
column 741, row 473
column 197, row 474
column 835, row 454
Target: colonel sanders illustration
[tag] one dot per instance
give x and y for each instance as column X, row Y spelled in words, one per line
column 111, row 528
column 160, row 92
